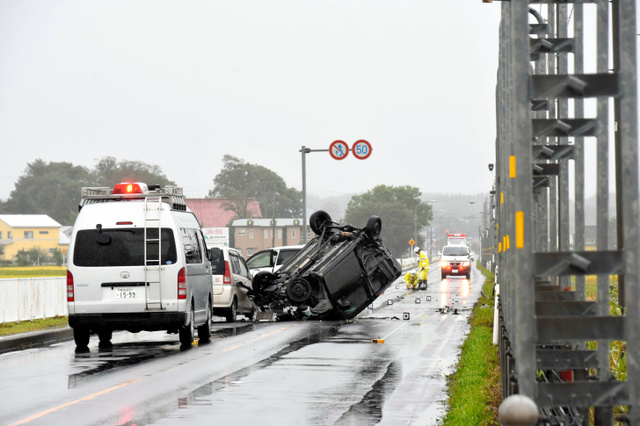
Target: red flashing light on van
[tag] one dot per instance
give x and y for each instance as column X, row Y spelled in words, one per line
column 70, row 292
column 130, row 188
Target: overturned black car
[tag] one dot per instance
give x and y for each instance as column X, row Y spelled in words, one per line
column 335, row 276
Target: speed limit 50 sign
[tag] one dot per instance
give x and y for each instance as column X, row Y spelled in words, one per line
column 361, row 149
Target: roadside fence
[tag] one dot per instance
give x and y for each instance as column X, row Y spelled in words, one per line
column 24, row 299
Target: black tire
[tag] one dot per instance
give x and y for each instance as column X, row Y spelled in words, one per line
column 444, row 276
column 299, row 291
column 81, row 336
column 261, row 280
column 232, row 312
column 318, row 220
column 469, row 276
column 188, row 331
column 374, row 227
column 204, row 331
column 105, row 335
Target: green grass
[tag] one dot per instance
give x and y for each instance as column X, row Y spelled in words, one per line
column 33, row 271
column 474, row 389
column 8, row 328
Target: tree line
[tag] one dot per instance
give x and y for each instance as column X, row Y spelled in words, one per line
column 54, row 189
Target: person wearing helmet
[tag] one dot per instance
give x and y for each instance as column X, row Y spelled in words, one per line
column 423, row 266
column 411, row 279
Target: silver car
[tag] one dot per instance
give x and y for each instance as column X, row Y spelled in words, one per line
column 229, row 270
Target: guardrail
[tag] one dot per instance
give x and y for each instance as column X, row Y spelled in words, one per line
column 24, row 299
column 554, row 101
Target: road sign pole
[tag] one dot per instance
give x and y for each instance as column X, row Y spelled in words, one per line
column 304, row 151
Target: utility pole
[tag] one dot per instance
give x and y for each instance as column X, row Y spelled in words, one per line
column 304, row 150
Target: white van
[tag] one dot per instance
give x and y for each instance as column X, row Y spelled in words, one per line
column 137, row 261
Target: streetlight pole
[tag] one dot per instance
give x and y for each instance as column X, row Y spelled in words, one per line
column 415, row 220
column 304, row 150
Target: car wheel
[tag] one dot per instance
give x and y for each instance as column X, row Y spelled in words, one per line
column 232, row 312
column 81, row 336
column 374, row 227
column 187, row 331
column 318, row 220
column 469, row 276
column 105, row 335
column 444, row 276
column 204, row 331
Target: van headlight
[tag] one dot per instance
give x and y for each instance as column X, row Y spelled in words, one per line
column 444, row 264
column 467, row 263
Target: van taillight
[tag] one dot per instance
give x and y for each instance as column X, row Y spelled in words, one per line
column 227, row 273
column 182, row 283
column 70, row 295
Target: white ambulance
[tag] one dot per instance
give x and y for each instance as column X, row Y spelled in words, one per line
column 138, row 261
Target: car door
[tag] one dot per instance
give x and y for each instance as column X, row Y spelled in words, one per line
column 240, row 275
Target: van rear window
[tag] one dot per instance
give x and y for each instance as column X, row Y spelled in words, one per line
column 123, row 247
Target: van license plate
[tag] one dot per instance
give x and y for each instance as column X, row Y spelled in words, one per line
column 454, row 271
column 125, row 293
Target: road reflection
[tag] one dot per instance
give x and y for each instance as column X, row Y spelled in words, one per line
column 448, row 285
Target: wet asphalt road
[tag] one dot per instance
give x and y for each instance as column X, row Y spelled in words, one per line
column 287, row 373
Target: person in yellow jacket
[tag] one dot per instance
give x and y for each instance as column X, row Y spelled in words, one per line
column 411, row 279
column 423, row 265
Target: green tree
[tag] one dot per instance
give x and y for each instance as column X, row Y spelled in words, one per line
column 33, row 256
column 396, row 207
column 109, row 171
column 57, row 257
column 49, row 188
column 54, row 188
column 241, row 182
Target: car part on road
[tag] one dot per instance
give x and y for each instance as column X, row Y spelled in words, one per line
column 335, row 275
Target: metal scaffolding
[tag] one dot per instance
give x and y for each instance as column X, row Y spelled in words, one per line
column 555, row 332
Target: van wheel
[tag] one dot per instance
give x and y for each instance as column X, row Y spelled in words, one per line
column 187, row 331
column 204, row 331
column 232, row 312
column 81, row 336
column 105, row 335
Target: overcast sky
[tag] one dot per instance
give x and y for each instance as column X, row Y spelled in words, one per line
column 179, row 84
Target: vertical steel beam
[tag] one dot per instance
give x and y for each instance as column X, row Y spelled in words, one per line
column 626, row 148
column 522, row 218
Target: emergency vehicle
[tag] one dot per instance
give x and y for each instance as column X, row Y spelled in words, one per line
column 457, row 239
column 138, row 261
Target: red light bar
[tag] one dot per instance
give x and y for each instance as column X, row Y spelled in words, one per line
column 456, row 235
column 124, row 223
column 130, row 188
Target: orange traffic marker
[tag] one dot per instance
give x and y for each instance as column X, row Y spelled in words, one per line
column 380, row 341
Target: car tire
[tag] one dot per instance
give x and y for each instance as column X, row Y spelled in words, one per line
column 188, row 331
column 444, row 276
column 105, row 335
column 318, row 220
column 204, row 331
column 81, row 336
column 374, row 227
column 232, row 312
column 469, row 276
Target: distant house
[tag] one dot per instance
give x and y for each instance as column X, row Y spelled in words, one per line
column 212, row 213
column 26, row 231
column 253, row 235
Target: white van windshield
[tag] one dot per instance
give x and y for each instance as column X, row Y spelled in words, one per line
column 454, row 251
column 123, row 247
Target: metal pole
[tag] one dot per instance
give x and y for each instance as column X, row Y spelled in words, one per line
column 304, row 151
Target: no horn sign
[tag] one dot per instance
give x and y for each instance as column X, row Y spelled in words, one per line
column 339, row 149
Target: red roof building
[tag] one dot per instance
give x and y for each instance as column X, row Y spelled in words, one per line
column 212, row 214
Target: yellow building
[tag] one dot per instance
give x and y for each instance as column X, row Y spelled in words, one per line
column 25, row 231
